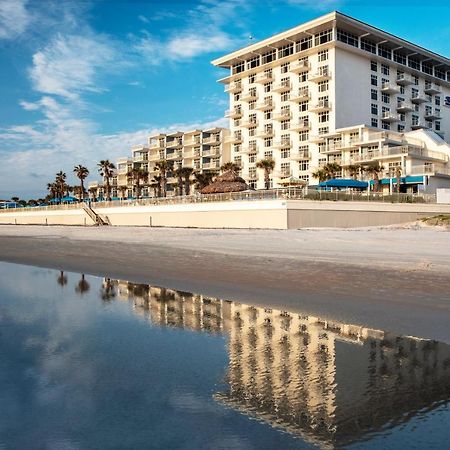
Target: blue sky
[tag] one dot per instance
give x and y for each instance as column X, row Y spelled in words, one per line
column 84, row 80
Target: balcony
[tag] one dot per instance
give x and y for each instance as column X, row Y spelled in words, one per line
column 211, row 152
column 404, row 80
column 283, row 173
column 284, row 86
column 250, row 149
column 282, row 115
column 211, row 165
column 235, row 113
column 249, row 96
column 234, row 86
column 404, row 107
column 249, row 123
column 432, row 115
column 321, row 75
column 389, row 88
column 428, row 169
column 192, row 142
column 303, row 125
column 264, row 105
column 432, row 88
column 390, row 117
column 157, row 145
column 284, row 143
column 316, row 138
column 301, row 95
column 192, row 154
column 322, row 105
column 174, row 143
column 212, row 139
column 234, row 139
column 265, row 77
column 264, row 133
column 418, row 98
column 301, row 155
column 143, row 157
column 174, row 155
column 156, row 157
column 300, row 66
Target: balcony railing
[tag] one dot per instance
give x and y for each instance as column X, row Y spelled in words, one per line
column 264, row 105
column 282, row 115
column 303, row 125
column 321, row 105
column 284, row 86
column 301, row 95
column 417, row 97
column 174, row 143
column 429, row 169
column 300, row 66
column 265, row 77
column 284, row 143
column 404, row 107
column 249, row 123
column 211, row 140
column 249, row 96
column 389, row 116
column 389, row 88
column 234, row 86
column 233, row 113
column 432, row 88
column 404, row 80
column 321, row 75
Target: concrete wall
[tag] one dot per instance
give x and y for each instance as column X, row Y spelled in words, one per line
column 443, row 195
column 272, row 214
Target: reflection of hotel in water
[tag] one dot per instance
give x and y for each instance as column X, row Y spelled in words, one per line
column 328, row 382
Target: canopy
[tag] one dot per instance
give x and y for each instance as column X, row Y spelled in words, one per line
column 67, row 199
column 292, row 182
column 344, row 183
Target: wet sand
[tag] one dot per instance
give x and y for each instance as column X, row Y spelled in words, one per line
column 392, row 279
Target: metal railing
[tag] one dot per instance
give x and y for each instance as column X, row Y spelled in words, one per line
column 289, row 193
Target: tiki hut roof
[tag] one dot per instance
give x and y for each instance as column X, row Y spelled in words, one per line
column 227, row 182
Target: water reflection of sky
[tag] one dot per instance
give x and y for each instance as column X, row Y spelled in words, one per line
column 91, row 363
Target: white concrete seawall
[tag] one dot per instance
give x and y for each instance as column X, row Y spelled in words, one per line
column 270, row 214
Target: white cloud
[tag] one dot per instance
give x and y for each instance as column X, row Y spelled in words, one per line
column 318, row 5
column 14, row 18
column 28, row 106
column 68, row 65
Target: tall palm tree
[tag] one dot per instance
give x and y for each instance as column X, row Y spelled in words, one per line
column 123, row 191
column 354, row 170
column 60, row 182
column 230, row 166
column 164, row 167
column 187, row 172
column 156, row 186
column 375, row 169
column 94, row 192
column 332, row 169
column 398, row 176
column 106, row 169
column 82, row 173
column 267, row 164
column 82, row 286
column 135, row 176
column 178, row 172
column 321, row 174
column 203, row 179
column 53, row 189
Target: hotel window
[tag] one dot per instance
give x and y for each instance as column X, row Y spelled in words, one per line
column 414, row 63
column 323, row 86
column 252, row 158
column 303, row 136
column 285, row 96
column 286, row 50
column 252, row 63
column 285, row 153
column 303, row 166
column 285, row 124
column 437, row 125
column 239, row 67
column 386, row 126
column 251, row 78
column 267, row 115
column 323, row 117
column 347, row 38
column 402, row 117
column 402, row 89
column 303, row 151
column 237, row 148
column 415, row 120
column 303, row 106
column 252, row 118
column 374, row 66
column 399, row 58
column 385, row 98
column 427, row 68
column 384, row 69
column 400, row 128
column 323, row 130
column 267, row 142
column 322, row 55
column 238, row 160
column 416, row 107
column 368, row 45
column 252, row 131
column 286, row 168
column 374, row 94
column 237, row 97
column 268, row 57
column 236, row 122
column 304, row 44
column 267, row 87
column 268, row 154
column 252, row 105
column 374, row 109
column 374, row 122
column 437, row 101
column 374, row 80
column 303, row 77
column 384, row 52
column 268, row 128
column 323, row 37
column 428, row 110
column 429, row 124
column 285, row 68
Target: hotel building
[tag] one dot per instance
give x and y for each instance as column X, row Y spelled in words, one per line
column 329, row 382
column 201, row 150
column 339, row 90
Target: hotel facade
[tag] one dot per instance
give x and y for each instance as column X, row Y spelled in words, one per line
column 338, row 90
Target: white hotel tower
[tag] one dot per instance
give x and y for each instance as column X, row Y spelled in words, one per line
column 338, row 90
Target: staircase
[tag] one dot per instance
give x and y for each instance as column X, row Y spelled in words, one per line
column 96, row 218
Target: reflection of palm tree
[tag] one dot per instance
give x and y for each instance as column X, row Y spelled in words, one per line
column 62, row 279
column 107, row 291
column 83, row 286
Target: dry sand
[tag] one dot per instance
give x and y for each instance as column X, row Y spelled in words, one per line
column 389, row 278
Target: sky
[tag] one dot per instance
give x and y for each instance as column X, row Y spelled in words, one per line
column 84, row 80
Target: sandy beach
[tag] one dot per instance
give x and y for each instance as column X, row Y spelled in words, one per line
column 393, row 279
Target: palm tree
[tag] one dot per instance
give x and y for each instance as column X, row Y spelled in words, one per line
column 82, row 173
column 15, row 199
column 156, row 186
column 203, row 179
column 178, row 172
column 332, row 169
column 398, row 176
column 123, row 191
column 230, row 166
column 94, row 192
column 187, row 172
column 164, row 167
column 321, row 174
column 53, row 189
column 354, row 170
column 106, row 169
column 267, row 164
column 135, row 176
column 374, row 169
column 60, row 182
column 83, row 286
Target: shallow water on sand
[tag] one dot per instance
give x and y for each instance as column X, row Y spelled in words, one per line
column 91, row 363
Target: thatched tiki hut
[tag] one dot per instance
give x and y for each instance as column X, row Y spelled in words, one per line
column 227, row 182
